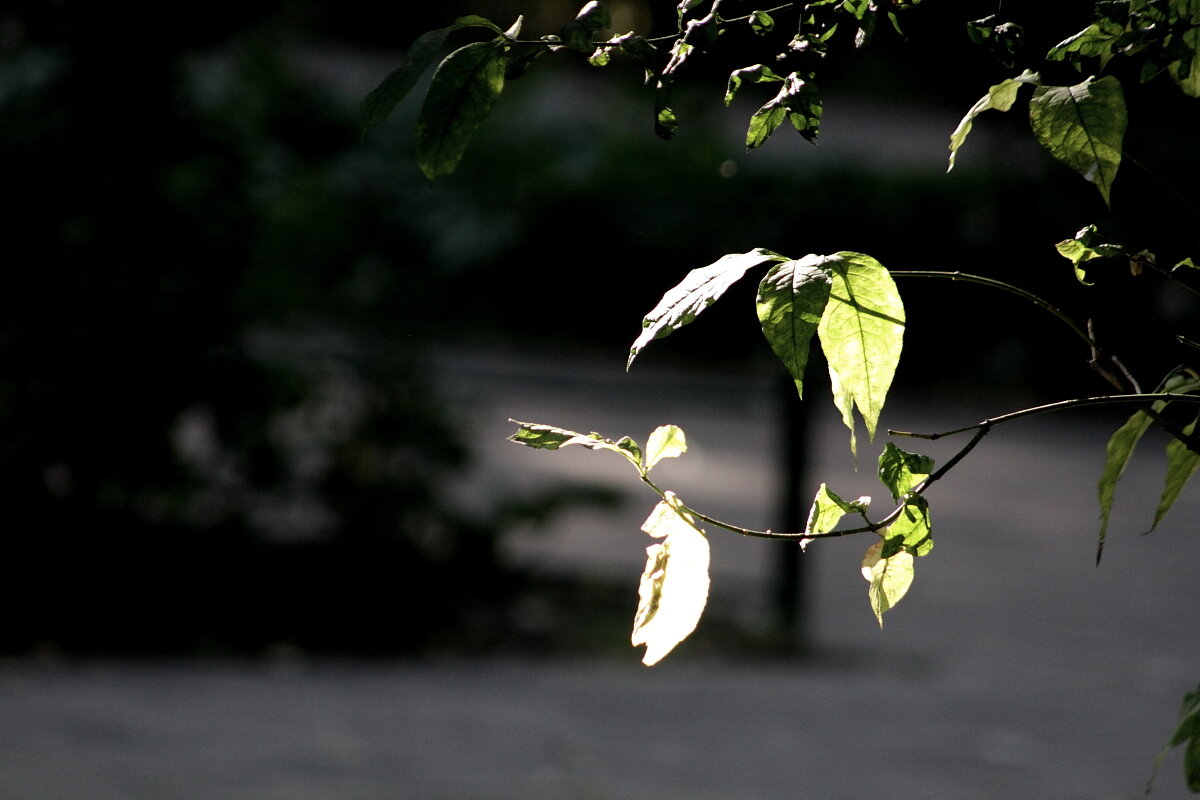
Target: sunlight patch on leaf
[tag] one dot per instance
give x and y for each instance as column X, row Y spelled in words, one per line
column 548, row 437
column 901, row 471
column 674, row 585
column 827, row 511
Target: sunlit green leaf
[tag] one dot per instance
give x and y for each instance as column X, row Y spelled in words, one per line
column 798, row 101
column 758, row 73
column 666, row 441
column 1083, row 127
column 889, row 578
column 674, row 585
column 999, row 97
column 827, row 511
column 862, row 335
column 1181, row 466
column 1087, row 246
column 913, row 527
column 791, row 299
column 699, row 289
column 465, row 87
column 1096, row 40
column 548, row 437
column 901, row 471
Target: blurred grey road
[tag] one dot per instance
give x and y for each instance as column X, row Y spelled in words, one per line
column 1014, row 668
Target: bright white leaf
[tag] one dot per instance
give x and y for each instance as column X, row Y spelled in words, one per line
column 674, row 586
column 667, row 441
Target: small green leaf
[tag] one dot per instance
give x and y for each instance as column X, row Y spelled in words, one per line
column 548, row 437
column 999, row 97
column 798, row 101
column 1182, row 464
column 1083, row 127
column 901, row 472
column 791, row 299
column 1117, row 454
column 1187, row 263
column 827, row 511
column 889, row 577
column 862, row 335
column 761, row 22
column 1087, row 245
column 1187, row 732
column 758, row 73
column 666, row 441
column 699, row 289
column 674, row 586
column 465, row 87
column 1096, row 40
column 1186, row 71
column 912, row 530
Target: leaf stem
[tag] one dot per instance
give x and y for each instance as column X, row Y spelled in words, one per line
column 1085, row 334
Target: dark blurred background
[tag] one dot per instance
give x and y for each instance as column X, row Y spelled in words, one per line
column 219, row 427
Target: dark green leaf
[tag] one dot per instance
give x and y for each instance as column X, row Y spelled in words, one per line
column 465, row 87
column 862, row 335
column 1182, row 464
column 1118, row 452
column 890, row 575
column 699, row 289
column 798, row 101
column 791, row 299
column 900, row 471
column 1083, row 127
column 1096, row 40
column 548, row 437
column 758, row 73
column 1187, row 732
column 665, row 122
column 761, row 22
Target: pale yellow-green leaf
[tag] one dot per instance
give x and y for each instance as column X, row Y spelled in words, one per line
column 889, row 578
column 862, row 334
column 999, row 97
column 674, row 586
column 1083, row 126
column 667, row 441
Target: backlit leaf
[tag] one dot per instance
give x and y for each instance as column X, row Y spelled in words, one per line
column 999, row 97
column 791, row 299
column 1187, row 732
column 757, row 73
column 913, row 529
column 548, row 437
column 827, row 511
column 1087, row 245
column 465, row 87
column 798, row 101
column 901, row 471
column 1181, row 466
column 674, row 585
column 1117, row 453
column 862, row 335
column 666, row 441
column 699, row 289
column 889, row 578
column 1083, row 127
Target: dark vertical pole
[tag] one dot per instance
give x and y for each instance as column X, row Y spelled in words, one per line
column 789, row 589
